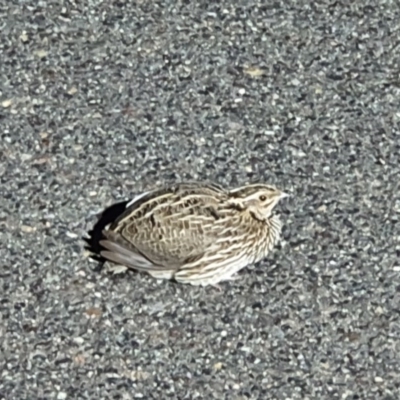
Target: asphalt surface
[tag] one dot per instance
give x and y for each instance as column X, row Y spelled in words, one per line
column 100, row 100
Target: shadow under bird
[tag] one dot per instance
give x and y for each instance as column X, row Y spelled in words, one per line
column 194, row 233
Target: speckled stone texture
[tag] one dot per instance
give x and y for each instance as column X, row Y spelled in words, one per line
column 100, row 100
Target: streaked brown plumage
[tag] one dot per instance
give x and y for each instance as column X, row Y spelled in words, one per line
column 195, row 233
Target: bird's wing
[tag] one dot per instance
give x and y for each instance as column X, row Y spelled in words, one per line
column 122, row 252
column 167, row 235
column 172, row 239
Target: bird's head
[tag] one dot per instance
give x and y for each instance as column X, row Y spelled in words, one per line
column 258, row 199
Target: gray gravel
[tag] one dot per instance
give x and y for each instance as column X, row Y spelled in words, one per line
column 102, row 99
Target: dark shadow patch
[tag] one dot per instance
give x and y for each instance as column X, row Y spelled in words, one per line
column 108, row 216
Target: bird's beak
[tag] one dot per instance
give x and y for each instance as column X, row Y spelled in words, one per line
column 283, row 195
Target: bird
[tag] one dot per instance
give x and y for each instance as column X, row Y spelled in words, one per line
column 194, row 232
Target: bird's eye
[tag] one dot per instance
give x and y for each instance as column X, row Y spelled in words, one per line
column 263, row 198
